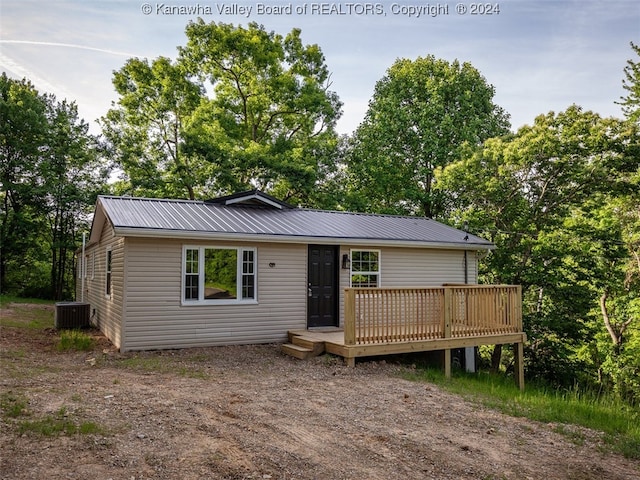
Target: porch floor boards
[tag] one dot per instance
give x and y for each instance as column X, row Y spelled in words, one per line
column 332, row 341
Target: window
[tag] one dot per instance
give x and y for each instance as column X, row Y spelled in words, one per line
column 219, row 275
column 191, row 279
column 93, row 265
column 108, row 273
column 248, row 275
column 365, row 268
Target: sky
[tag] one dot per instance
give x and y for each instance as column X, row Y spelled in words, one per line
column 540, row 55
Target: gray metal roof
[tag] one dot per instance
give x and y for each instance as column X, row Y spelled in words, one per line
column 201, row 220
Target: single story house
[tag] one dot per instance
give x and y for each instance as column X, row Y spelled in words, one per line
column 248, row 268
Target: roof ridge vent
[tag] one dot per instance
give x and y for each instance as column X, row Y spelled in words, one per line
column 251, row 198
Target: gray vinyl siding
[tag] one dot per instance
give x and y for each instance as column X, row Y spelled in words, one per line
column 108, row 310
column 145, row 309
column 156, row 319
column 415, row 267
column 423, row 268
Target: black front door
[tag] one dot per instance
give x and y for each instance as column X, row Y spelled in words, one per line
column 322, row 301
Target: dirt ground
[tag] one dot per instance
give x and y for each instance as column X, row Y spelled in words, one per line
column 250, row 412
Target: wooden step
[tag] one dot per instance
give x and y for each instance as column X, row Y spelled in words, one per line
column 297, row 351
column 317, row 347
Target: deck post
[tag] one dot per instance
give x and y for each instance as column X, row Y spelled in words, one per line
column 448, row 297
column 518, row 350
column 518, row 308
column 349, row 316
column 447, row 363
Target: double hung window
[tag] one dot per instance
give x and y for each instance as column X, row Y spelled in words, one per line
column 365, row 268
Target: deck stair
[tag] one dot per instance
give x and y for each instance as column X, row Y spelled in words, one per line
column 303, row 347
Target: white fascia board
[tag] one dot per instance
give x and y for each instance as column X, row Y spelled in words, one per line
column 260, row 238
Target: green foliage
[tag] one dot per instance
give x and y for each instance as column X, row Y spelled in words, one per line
column 50, row 173
column 221, row 272
column 421, row 115
column 23, row 127
column 240, row 108
column 631, row 83
column 75, row 340
column 146, row 131
column 551, row 197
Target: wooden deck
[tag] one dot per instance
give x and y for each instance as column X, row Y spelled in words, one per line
column 381, row 321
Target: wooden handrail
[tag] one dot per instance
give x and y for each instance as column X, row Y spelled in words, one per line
column 399, row 314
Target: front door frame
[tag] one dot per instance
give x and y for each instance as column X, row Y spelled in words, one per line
column 320, row 314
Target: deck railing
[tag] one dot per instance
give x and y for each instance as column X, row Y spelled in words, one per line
column 385, row 315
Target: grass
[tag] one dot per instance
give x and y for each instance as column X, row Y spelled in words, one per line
column 6, row 299
column 25, row 315
column 60, row 423
column 619, row 423
column 75, row 340
column 13, row 405
column 15, row 411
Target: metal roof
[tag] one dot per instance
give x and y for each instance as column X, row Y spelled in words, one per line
column 206, row 220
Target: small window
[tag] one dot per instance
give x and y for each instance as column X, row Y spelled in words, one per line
column 365, row 268
column 108, row 273
column 219, row 275
column 93, row 265
column 191, row 274
column 248, row 274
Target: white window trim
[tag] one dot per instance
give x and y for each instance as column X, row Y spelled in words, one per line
column 108, row 273
column 93, row 265
column 239, row 263
column 379, row 272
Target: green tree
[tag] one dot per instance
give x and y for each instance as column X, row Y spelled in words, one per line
column 631, row 83
column 240, row 108
column 523, row 192
column 49, row 175
column 146, row 129
column 23, row 129
column 269, row 122
column 421, row 114
column 73, row 174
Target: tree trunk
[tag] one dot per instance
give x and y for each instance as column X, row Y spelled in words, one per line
column 496, row 358
column 615, row 334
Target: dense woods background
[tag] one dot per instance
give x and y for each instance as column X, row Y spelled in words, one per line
column 244, row 108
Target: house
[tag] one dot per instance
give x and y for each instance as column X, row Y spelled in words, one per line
column 248, row 268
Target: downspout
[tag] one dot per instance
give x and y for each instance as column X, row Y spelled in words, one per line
column 466, row 268
column 466, row 260
column 84, row 267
